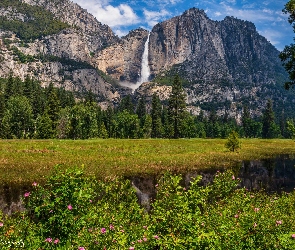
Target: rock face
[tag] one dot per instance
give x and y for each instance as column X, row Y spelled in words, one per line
column 190, row 38
column 225, row 64
column 67, row 57
column 123, row 60
column 96, row 34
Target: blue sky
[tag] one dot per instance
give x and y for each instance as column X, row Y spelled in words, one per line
column 123, row 16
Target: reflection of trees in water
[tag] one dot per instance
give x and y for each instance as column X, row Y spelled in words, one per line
column 273, row 175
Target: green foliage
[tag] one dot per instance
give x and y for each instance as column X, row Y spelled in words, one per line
column 288, row 54
column 157, row 129
column 233, row 143
column 20, row 56
column 37, row 23
column 177, row 107
column 269, row 127
column 17, row 118
column 73, row 211
column 291, row 128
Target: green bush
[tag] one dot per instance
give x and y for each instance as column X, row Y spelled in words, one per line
column 233, row 143
column 75, row 211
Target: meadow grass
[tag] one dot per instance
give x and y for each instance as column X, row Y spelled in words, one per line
column 24, row 161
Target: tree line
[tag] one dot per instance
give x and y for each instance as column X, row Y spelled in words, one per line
column 29, row 111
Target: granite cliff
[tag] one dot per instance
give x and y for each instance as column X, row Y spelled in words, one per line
column 224, row 64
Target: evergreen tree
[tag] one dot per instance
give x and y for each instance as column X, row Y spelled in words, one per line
column 177, row 106
column 141, row 108
column 44, row 128
column 287, row 56
column 53, row 104
column 18, row 118
column 291, row 128
column 66, row 98
column 126, row 104
column 9, row 87
column 107, row 118
column 233, row 143
column 38, row 99
column 156, row 113
column 269, row 128
column 103, row 133
column 147, row 127
column 89, row 97
column 167, row 126
column 28, row 88
column 246, row 121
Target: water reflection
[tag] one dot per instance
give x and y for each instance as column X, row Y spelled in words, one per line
column 273, row 175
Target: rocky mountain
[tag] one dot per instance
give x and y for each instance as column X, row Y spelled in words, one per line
column 224, row 64
column 64, row 55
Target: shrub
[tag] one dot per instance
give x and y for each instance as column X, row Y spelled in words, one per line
column 233, row 142
column 75, row 211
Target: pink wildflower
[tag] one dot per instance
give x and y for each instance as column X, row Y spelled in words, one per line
column 144, row 227
column 293, row 236
column 48, row 240
column 35, row 184
column 27, row 194
column 233, row 177
column 112, row 227
column 156, row 185
column 255, row 225
column 144, row 239
column 81, row 248
column 279, row 222
column 256, row 209
column 131, row 248
column 236, row 216
column 139, row 241
column 56, row 241
column 103, row 230
column 90, row 201
column 70, row 207
column 1, row 224
column 156, row 237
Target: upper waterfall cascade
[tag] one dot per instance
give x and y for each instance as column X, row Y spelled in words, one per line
column 145, row 68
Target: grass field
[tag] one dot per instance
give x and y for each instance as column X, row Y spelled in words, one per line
column 24, row 161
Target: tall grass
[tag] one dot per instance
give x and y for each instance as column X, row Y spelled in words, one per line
column 24, row 161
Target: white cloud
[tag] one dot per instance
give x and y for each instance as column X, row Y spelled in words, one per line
column 153, row 17
column 217, row 13
column 269, row 11
column 114, row 16
column 121, row 32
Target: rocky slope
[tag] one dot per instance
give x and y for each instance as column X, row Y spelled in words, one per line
column 123, row 59
column 67, row 57
column 224, row 64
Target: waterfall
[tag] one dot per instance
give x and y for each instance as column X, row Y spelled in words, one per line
column 145, row 68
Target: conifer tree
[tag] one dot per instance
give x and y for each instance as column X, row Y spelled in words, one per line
column 269, row 127
column 177, row 106
column 233, row 143
column 246, row 121
column 156, row 111
column 141, row 108
column 53, row 104
column 126, row 104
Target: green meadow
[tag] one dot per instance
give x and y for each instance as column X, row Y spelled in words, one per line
column 24, row 161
